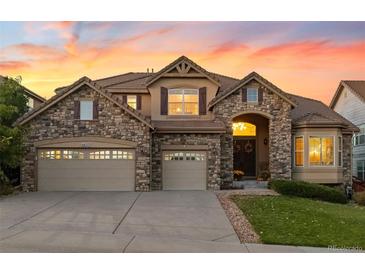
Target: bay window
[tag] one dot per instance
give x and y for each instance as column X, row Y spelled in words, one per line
column 299, row 151
column 321, row 151
column 183, row 102
column 340, row 151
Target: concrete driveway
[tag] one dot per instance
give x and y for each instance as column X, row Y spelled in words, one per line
column 163, row 221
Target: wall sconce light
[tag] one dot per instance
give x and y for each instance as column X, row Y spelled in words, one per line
column 265, row 141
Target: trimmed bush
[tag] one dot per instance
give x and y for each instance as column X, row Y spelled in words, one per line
column 359, row 198
column 308, row 190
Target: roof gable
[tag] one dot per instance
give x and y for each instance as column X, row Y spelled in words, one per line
column 183, row 67
column 357, row 87
column 74, row 87
column 246, row 80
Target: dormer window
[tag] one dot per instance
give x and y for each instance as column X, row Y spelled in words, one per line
column 252, row 95
column 183, row 102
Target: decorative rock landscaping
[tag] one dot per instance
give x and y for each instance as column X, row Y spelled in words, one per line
column 241, row 225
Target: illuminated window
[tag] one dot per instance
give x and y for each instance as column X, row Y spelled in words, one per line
column 321, row 151
column 299, row 151
column 183, row 102
column 243, row 129
column 132, row 101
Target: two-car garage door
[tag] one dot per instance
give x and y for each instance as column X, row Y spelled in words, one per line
column 86, row 169
column 184, row 170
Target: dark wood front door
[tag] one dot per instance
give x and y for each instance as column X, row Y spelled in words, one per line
column 244, row 156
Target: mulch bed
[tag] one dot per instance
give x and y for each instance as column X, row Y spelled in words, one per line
column 241, row 225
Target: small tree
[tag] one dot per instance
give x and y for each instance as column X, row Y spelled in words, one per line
column 13, row 104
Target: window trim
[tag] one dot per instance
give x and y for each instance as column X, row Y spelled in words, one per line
column 257, row 95
column 183, row 101
column 92, row 109
column 334, row 150
column 295, row 150
column 363, row 169
column 340, row 151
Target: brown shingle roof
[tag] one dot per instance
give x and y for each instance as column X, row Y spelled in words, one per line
column 177, row 61
column 246, row 79
column 358, row 86
column 314, row 112
column 65, row 92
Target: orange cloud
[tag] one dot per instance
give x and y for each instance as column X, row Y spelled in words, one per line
column 31, row 50
column 13, row 66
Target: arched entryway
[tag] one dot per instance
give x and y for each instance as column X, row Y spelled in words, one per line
column 250, row 146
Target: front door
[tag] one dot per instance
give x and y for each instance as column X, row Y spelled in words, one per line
column 244, row 156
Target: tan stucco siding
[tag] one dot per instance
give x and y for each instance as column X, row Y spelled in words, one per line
column 318, row 174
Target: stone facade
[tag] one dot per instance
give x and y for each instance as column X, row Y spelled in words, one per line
column 273, row 107
column 347, row 159
column 113, row 122
column 213, row 155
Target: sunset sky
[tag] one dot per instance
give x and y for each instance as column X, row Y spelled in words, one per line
column 305, row 58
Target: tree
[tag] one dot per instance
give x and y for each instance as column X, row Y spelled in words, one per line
column 13, row 104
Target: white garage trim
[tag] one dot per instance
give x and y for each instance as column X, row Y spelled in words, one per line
column 184, row 170
column 85, row 142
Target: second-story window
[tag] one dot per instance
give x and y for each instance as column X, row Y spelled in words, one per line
column 252, row 95
column 132, row 101
column 86, row 110
column 183, row 102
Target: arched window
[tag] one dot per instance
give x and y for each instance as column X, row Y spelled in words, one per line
column 244, row 129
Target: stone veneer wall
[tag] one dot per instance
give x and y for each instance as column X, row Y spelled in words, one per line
column 279, row 132
column 213, row 155
column 58, row 122
column 347, row 159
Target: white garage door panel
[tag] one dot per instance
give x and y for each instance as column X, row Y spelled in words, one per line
column 184, row 170
column 86, row 174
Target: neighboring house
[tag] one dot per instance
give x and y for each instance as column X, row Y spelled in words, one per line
column 182, row 128
column 349, row 101
column 34, row 100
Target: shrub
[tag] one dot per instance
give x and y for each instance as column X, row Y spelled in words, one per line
column 308, row 190
column 359, row 197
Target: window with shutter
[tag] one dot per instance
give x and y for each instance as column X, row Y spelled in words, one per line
column 164, row 101
column 203, row 101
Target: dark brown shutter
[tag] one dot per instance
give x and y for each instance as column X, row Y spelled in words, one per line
column 203, row 101
column 124, row 99
column 260, row 95
column 77, row 110
column 139, row 102
column 95, row 110
column 164, row 99
column 244, row 95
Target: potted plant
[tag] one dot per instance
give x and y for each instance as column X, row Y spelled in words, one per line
column 238, row 174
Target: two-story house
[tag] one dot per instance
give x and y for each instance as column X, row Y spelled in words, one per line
column 34, row 100
column 349, row 101
column 181, row 128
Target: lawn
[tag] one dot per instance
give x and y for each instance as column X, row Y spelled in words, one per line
column 299, row 221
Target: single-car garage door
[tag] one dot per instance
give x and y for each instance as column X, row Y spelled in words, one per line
column 184, row 170
column 86, row 169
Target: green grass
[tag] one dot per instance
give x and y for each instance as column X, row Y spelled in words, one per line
column 299, row 221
